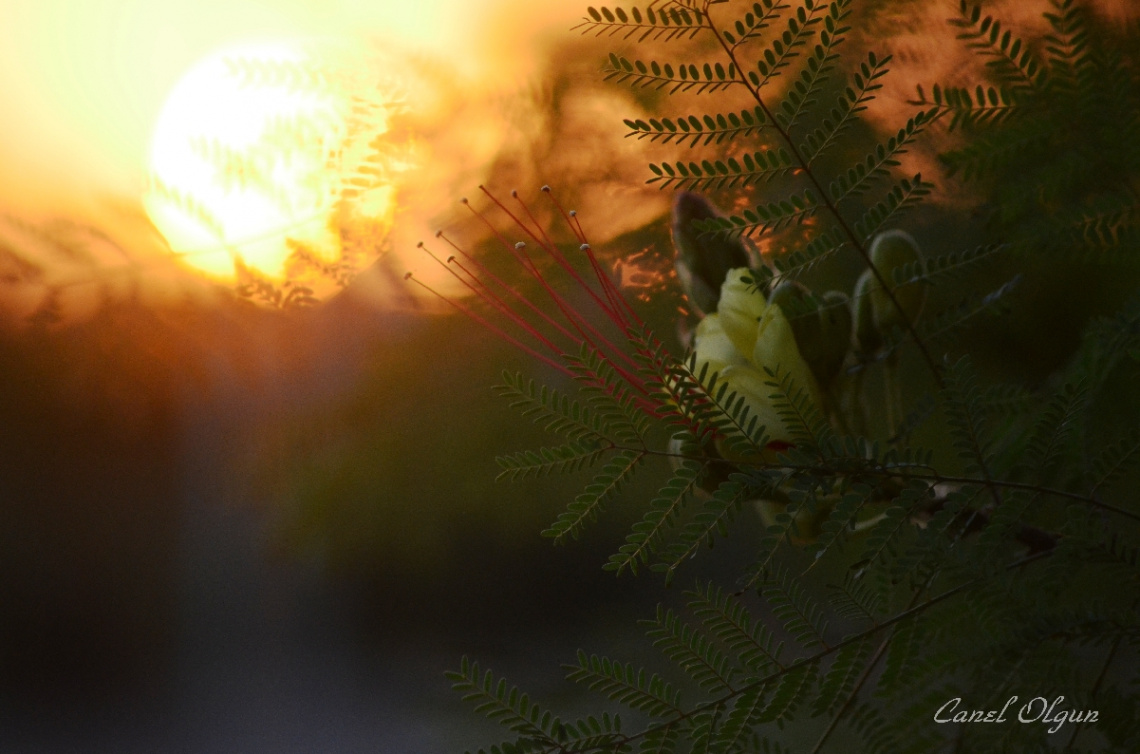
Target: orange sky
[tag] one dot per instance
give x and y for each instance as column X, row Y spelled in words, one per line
column 83, row 82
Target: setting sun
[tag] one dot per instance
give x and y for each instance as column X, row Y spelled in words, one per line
column 262, row 150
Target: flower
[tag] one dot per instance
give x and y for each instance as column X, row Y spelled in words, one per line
column 747, row 335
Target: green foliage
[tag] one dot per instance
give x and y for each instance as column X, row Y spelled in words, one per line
column 887, row 578
column 702, row 130
column 1058, row 184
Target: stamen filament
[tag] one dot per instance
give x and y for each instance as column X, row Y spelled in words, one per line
column 606, row 282
column 510, row 289
column 487, row 295
column 480, row 320
column 557, row 256
column 576, row 320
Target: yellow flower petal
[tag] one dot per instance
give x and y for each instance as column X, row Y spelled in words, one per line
column 744, row 337
column 740, row 309
column 776, row 349
column 751, row 384
column 713, row 346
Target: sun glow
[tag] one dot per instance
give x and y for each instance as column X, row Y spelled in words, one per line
column 262, row 157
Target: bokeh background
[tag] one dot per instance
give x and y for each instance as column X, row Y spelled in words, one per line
column 226, row 527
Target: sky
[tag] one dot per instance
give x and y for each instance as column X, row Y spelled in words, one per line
column 83, row 81
column 83, row 84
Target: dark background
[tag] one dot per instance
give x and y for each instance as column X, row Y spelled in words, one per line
column 230, row 529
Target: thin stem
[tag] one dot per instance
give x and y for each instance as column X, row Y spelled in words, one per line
column 513, row 341
column 890, row 387
column 834, row 722
column 510, row 289
column 933, row 477
column 910, row 612
column 480, row 289
column 1096, row 687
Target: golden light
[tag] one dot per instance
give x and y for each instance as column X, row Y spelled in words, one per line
column 264, row 154
column 344, row 132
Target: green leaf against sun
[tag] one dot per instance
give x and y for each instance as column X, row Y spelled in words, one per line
column 699, row 130
column 668, row 22
column 678, row 77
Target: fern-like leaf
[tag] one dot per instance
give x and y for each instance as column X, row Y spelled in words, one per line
column 1011, row 60
column 715, row 516
column 807, row 427
column 764, row 218
column 610, row 396
column 799, row 613
column 838, row 525
column 692, row 651
column 837, row 684
column 595, row 733
column 700, row 130
column 982, row 105
column 782, row 49
column 906, row 193
column 728, row 173
column 553, row 410
column 504, row 704
column 791, row 691
column 896, row 522
column 1115, row 460
column 824, row 246
column 850, row 103
column 679, row 77
column 626, row 685
column 754, row 21
column 653, row 24
column 878, row 163
column 584, row 509
column 561, row 459
column 727, row 619
column 664, row 509
column 802, row 95
column 855, row 600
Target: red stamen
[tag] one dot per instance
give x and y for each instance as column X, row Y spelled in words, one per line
column 606, row 282
column 537, row 224
column 468, row 312
column 478, row 278
column 561, row 260
column 576, row 320
column 510, row 289
column 606, row 289
column 576, row 230
column 487, row 295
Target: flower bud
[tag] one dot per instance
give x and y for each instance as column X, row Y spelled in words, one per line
column 702, row 259
column 835, row 321
column 890, row 251
column 801, row 309
column 867, row 338
column 822, row 327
